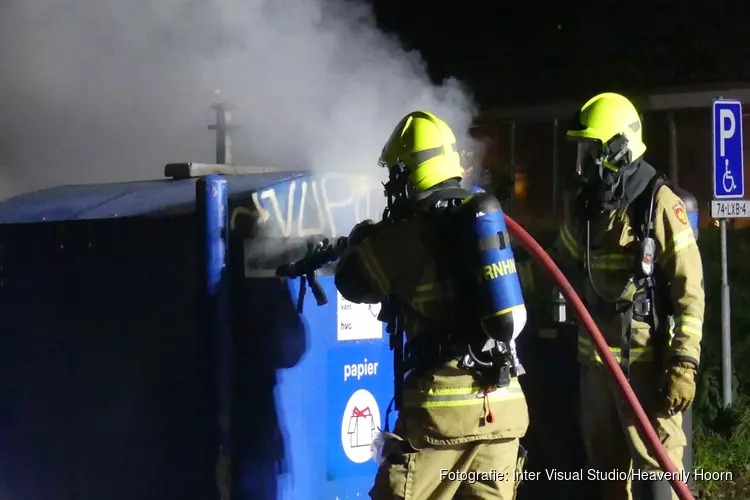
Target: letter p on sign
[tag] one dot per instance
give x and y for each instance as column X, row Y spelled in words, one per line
column 726, row 130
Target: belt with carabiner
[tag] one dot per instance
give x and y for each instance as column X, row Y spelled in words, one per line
column 640, row 309
column 426, row 351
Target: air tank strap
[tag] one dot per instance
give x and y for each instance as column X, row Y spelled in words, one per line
column 426, row 202
column 391, row 313
column 650, row 314
column 499, row 240
column 642, row 308
column 626, row 311
column 626, row 321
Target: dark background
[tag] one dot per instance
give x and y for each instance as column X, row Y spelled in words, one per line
column 517, row 54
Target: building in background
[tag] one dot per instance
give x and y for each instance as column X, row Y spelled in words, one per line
column 531, row 161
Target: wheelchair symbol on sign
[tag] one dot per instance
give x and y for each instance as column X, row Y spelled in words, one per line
column 727, row 179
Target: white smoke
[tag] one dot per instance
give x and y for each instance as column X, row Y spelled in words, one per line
column 107, row 90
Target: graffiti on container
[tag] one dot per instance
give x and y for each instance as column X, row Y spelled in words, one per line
column 330, row 204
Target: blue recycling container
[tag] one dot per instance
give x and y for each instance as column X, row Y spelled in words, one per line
column 145, row 354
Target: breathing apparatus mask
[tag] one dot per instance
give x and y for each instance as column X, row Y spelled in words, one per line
column 398, row 190
column 605, row 171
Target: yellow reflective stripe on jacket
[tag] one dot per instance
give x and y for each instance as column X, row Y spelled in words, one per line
column 570, row 242
column 450, row 397
column 679, row 242
column 637, row 354
column 430, row 292
column 612, row 262
column 372, row 266
column 688, row 325
column 427, row 292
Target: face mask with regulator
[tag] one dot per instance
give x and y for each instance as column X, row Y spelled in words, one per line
column 605, row 190
column 603, row 169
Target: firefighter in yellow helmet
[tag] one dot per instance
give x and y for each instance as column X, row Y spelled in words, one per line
column 456, row 435
column 628, row 241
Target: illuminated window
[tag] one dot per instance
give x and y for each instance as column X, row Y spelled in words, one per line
column 521, row 186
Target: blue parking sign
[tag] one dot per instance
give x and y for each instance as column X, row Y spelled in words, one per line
column 729, row 172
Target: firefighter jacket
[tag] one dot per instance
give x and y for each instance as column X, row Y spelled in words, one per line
column 444, row 404
column 615, row 250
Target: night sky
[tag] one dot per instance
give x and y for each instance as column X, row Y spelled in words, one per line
column 539, row 51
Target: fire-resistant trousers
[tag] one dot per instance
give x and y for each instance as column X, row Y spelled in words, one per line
column 613, row 444
column 477, row 470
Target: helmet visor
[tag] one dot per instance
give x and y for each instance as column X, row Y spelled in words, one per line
column 588, row 155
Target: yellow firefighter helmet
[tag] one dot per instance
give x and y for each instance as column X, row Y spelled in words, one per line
column 609, row 128
column 425, row 147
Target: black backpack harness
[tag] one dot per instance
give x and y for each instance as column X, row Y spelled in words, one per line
column 644, row 305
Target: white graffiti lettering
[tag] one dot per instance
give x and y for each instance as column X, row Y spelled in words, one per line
column 320, row 228
column 320, row 206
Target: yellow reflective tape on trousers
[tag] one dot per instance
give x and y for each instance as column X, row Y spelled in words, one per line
column 689, row 325
column 679, row 242
column 451, row 397
column 570, row 242
column 637, row 354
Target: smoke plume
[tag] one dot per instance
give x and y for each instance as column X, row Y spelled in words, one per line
column 106, row 90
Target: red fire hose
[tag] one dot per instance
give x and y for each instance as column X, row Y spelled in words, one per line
column 644, row 426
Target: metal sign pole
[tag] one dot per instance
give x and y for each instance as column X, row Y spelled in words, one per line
column 726, row 336
column 728, row 203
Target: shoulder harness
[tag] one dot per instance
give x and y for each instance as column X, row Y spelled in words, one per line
column 643, row 306
column 434, row 203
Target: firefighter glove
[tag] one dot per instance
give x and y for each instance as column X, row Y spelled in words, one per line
column 361, row 231
column 680, row 387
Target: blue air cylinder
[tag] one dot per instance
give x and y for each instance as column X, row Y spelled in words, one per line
column 691, row 207
column 498, row 299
